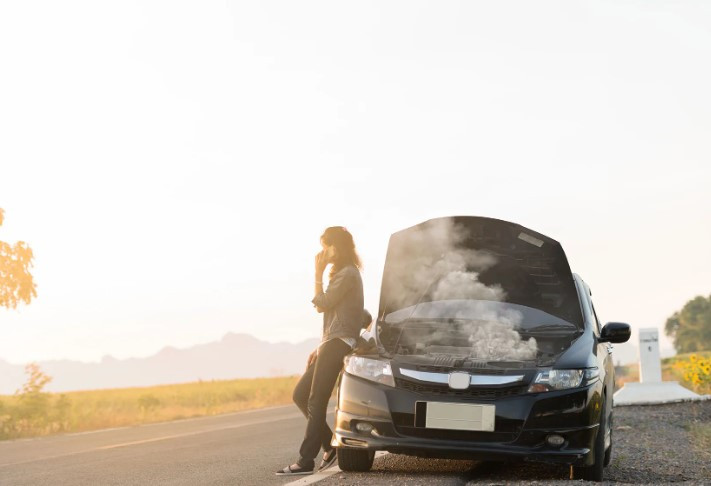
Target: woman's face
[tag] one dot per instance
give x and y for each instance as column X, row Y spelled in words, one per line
column 329, row 251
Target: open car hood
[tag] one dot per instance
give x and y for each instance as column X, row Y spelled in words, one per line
column 477, row 259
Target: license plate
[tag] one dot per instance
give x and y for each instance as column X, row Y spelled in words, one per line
column 455, row 416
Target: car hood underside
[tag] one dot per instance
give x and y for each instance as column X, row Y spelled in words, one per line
column 476, row 258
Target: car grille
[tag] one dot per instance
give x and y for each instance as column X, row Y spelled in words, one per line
column 478, row 392
column 472, row 371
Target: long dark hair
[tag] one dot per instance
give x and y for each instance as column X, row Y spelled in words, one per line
column 346, row 254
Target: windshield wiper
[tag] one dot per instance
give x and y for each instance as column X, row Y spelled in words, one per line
column 551, row 327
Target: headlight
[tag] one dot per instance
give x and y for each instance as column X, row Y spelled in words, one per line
column 370, row 369
column 548, row 380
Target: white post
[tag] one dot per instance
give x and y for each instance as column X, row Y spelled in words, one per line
column 650, row 363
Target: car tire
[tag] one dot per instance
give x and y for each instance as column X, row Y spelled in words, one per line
column 355, row 460
column 594, row 471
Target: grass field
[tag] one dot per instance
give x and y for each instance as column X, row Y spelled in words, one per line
column 38, row 413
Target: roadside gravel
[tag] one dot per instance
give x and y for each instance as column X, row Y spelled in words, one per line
column 652, row 445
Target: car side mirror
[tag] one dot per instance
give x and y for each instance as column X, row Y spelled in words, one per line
column 615, row 332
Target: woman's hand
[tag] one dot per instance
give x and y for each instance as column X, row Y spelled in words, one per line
column 320, row 262
column 311, row 359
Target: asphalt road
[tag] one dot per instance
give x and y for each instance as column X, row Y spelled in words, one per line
column 242, row 448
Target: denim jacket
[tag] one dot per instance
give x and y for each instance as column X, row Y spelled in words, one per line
column 342, row 305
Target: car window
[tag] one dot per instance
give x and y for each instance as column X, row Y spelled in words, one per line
column 587, row 309
column 597, row 321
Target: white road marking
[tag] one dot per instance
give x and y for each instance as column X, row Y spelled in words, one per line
column 166, row 437
column 321, row 475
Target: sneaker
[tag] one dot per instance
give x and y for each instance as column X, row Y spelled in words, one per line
column 294, row 470
column 329, row 457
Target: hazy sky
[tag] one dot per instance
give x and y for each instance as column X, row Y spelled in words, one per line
column 172, row 164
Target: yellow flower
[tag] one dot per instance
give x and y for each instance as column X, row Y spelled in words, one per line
column 692, row 358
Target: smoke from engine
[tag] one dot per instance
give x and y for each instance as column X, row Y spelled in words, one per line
column 432, row 264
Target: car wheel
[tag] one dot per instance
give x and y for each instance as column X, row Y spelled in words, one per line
column 608, row 450
column 357, row 460
column 594, row 472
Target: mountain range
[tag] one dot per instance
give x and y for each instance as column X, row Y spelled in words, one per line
column 234, row 356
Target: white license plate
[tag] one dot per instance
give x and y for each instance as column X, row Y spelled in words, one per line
column 455, row 416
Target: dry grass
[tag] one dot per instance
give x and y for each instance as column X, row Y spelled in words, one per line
column 97, row 409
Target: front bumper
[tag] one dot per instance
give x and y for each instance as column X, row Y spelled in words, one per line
column 522, row 423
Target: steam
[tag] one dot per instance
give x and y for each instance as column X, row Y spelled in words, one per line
column 499, row 341
column 429, row 264
column 492, row 337
column 435, row 266
column 463, row 285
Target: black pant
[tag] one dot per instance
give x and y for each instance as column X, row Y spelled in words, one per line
column 311, row 395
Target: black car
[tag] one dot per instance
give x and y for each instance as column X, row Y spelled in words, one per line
column 486, row 346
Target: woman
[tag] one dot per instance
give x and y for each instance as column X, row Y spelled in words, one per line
column 342, row 308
